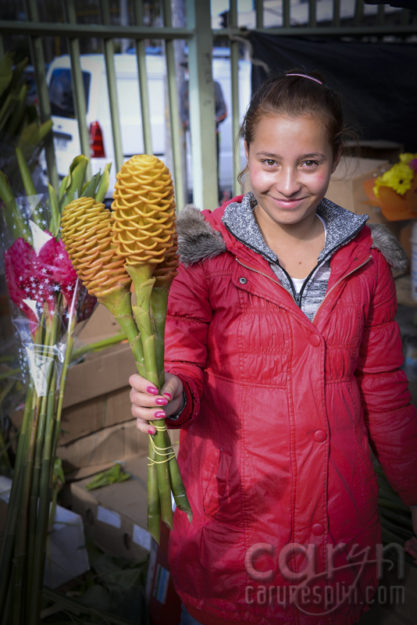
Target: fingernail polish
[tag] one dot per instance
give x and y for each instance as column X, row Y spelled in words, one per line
column 151, row 431
column 161, row 401
column 152, row 389
column 159, row 414
column 167, row 395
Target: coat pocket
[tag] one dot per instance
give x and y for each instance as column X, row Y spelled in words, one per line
column 217, row 487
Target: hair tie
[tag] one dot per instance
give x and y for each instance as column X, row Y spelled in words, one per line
column 319, row 82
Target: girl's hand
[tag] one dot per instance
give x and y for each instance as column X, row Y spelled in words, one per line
column 148, row 405
column 411, row 544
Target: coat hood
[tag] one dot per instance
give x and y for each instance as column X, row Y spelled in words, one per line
column 200, row 238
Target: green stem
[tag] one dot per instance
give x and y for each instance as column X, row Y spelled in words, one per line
column 9, row 373
column 78, row 353
column 154, row 510
column 49, row 358
column 37, row 563
column 143, row 283
column 20, row 561
column 118, row 303
column 9, row 536
column 159, row 303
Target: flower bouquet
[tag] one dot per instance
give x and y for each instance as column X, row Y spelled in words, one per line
column 135, row 248
column 395, row 191
column 47, row 300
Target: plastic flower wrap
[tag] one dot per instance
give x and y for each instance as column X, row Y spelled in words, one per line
column 395, row 190
column 47, row 299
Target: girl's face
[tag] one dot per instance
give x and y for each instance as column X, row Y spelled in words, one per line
column 290, row 162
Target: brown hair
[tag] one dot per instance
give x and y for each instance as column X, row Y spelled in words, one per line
column 296, row 95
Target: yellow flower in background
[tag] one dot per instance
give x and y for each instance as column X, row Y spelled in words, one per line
column 399, row 177
column 407, row 157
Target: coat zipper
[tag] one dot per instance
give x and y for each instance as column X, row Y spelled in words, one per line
column 346, row 275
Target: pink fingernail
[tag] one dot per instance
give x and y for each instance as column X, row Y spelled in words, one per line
column 168, row 395
column 153, row 390
column 151, row 431
column 159, row 414
column 161, row 401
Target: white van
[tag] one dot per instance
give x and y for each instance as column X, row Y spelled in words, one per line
column 65, row 126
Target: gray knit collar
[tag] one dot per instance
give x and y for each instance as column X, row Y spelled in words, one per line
column 342, row 226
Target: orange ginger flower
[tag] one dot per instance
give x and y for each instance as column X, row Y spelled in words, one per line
column 87, row 234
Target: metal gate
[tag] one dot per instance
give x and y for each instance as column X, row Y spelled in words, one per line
column 344, row 18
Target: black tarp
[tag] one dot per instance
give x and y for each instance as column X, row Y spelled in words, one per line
column 377, row 81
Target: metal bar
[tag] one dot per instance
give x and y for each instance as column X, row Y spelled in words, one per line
column 174, row 116
column 380, row 15
column 405, row 17
column 233, row 15
column 331, row 31
column 336, row 13
column 38, row 62
column 78, row 85
column 259, row 9
column 143, row 84
column 202, row 110
column 234, row 63
column 285, row 14
column 312, row 16
column 92, row 30
column 112, row 90
column 358, row 14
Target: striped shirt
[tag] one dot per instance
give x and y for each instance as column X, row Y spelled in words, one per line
column 341, row 226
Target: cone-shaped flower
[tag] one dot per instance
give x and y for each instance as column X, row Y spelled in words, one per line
column 165, row 272
column 87, row 234
column 144, row 210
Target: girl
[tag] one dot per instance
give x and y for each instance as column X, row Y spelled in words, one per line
column 283, row 361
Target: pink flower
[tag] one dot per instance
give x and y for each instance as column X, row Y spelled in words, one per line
column 37, row 277
column 54, row 257
column 19, row 261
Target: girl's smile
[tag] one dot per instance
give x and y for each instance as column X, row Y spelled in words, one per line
column 290, row 162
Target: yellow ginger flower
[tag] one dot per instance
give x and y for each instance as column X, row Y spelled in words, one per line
column 165, row 272
column 87, row 235
column 143, row 210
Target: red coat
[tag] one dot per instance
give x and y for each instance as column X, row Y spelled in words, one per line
column 274, row 450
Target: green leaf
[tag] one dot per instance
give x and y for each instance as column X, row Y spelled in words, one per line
column 89, row 188
column 112, row 476
column 6, row 72
column 104, row 184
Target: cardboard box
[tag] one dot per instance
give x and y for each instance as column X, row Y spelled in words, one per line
column 115, row 516
column 99, row 450
column 346, row 188
column 66, row 555
column 97, row 392
column 101, row 325
column 346, row 185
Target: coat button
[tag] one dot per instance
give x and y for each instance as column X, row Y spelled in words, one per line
column 319, row 436
column 315, row 340
column 317, row 529
column 242, row 280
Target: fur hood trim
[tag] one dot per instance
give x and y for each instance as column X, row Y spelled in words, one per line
column 198, row 240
